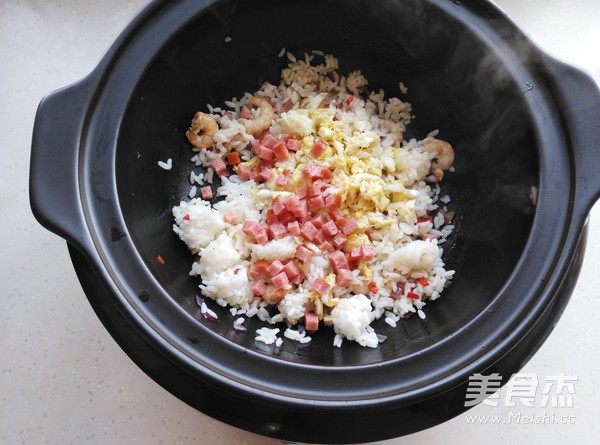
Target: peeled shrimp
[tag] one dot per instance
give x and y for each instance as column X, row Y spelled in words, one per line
column 202, row 132
column 263, row 121
column 443, row 156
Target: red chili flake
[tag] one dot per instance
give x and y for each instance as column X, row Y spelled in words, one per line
column 349, row 100
column 186, row 218
column 373, row 287
column 413, row 296
column 422, row 220
column 160, row 260
column 423, row 281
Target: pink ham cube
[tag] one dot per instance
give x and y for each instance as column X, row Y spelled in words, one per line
column 344, row 278
column 259, row 287
column 320, row 286
column 206, row 193
column 338, row 261
column 281, row 281
column 303, row 254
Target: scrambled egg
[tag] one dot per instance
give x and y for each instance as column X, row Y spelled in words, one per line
column 368, row 177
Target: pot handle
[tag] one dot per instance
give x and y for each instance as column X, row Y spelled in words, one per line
column 579, row 97
column 54, row 165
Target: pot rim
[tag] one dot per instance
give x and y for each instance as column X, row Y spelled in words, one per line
column 507, row 328
column 512, row 313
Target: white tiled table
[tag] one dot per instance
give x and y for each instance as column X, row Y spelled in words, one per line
column 63, row 380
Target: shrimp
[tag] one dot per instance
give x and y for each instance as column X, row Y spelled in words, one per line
column 393, row 128
column 264, row 119
column 443, row 156
column 202, row 132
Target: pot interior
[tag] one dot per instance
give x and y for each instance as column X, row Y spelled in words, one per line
column 456, row 83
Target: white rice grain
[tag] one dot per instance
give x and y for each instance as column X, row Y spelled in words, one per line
column 168, row 165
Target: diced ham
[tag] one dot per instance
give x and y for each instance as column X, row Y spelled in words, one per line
column 291, row 203
column 291, row 269
column 219, row 167
column 255, row 175
column 264, row 153
column 302, row 213
column 268, row 141
column 318, row 188
column 293, row 228
column 320, row 237
column 206, row 193
column 277, row 231
column 333, row 201
column 293, row 144
column 251, row 227
column 271, row 217
column 303, row 254
column 265, row 163
column 281, row 281
column 312, row 171
column 326, row 174
column 281, row 152
column 336, row 215
column 284, row 137
column 320, row 286
column 267, row 173
column 344, row 278
column 302, row 192
column 243, row 171
column 318, row 148
column 367, row 252
column 308, row 231
column 316, row 203
column 329, row 228
column 317, row 221
column 286, row 218
column 311, row 321
column 356, row 253
column 338, row 240
column 283, row 179
column 258, row 268
column 230, row 217
column 338, row 261
column 349, row 227
column 278, row 205
column 325, row 246
column 262, row 237
column 275, row 268
column 297, row 279
column 259, row 287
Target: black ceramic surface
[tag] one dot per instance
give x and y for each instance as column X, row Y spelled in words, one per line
column 516, row 118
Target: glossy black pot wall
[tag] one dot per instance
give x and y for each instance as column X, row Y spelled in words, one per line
column 518, row 120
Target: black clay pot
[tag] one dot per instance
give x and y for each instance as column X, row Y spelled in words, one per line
column 518, row 120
